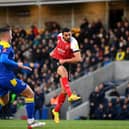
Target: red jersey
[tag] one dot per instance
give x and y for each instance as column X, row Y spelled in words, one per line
column 65, row 50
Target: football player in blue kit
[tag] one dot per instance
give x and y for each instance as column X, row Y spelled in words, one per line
column 8, row 81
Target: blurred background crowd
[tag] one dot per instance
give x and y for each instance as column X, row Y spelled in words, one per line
column 98, row 46
column 102, row 108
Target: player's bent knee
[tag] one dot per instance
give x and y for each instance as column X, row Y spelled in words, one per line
column 62, row 71
column 28, row 93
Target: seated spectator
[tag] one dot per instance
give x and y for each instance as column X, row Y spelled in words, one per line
column 109, row 113
column 99, row 113
column 117, row 108
column 114, row 92
column 126, row 101
column 124, row 113
column 127, row 91
column 107, row 61
column 127, row 54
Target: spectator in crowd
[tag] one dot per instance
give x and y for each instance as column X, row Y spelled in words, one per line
column 124, row 113
column 109, row 111
column 94, row 101
column 9, row 109
column 102, row 93
column 117, row 108
column 114, row 92
column 127, row 91
column 34, row 30
column 106, row 61
column 13, row 103
column 39, row 101
column 54, row 101
column 99, row 112
column 127, row 54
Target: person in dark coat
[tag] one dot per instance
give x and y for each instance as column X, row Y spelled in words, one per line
column 39, row 101
column 99, row 113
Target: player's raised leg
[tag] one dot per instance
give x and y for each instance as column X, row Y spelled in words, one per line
column 65, row 83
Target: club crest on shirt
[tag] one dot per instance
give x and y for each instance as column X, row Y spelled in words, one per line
column 67, row 46
column 60, row 50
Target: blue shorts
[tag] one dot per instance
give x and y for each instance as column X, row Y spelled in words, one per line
column 11, row 84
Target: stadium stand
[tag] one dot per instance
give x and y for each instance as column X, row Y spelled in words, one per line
column 99, row 47
column 36, row 2
column 116, row 71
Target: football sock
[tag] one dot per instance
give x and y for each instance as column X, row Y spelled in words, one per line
column 61, row 99
column 66, row 86
column 30, row 107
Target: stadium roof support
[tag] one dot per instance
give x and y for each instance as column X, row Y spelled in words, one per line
column 45, row 2
column 71, row 1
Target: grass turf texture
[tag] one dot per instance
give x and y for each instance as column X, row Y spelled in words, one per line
column 65, row 124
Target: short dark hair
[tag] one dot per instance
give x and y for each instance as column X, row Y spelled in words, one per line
column 4, row 29
column 65, row 30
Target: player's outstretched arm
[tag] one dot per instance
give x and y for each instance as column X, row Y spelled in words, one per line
column 4, row 59
column 51, row 53
column 20, row 65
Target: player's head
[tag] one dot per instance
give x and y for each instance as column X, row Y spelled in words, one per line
column 6, row 33
column 66, row 34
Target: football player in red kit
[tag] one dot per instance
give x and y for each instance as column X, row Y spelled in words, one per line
column 66, row 52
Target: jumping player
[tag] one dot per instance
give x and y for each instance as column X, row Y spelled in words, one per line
column 66, row 52
column 8, row 81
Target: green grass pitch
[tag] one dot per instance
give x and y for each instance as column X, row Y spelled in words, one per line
column 65, row 124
